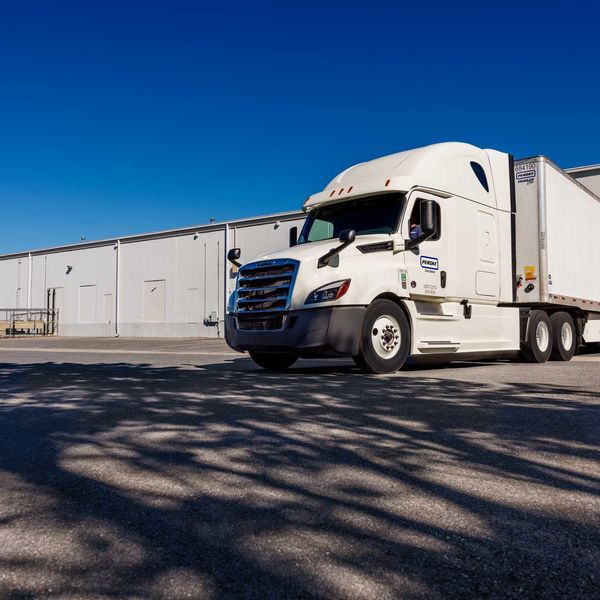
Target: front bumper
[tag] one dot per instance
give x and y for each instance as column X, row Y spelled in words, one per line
column 330, row 331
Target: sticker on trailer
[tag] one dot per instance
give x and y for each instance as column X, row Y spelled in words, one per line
column 530, row 273
column 429, row 263
column 525, row 173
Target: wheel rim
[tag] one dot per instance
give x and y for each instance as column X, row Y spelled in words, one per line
column 385, row 337
column 566, row 336
column 542, row 336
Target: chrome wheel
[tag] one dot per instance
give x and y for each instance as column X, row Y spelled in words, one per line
column 542, row 336
column 566, row 336
column 385, row 336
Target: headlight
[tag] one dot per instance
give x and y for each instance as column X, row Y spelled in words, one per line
column 331, row 291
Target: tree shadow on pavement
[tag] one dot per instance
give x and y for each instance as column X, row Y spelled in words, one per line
column 221, row 481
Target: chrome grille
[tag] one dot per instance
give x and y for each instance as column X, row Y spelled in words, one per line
column 265, row 286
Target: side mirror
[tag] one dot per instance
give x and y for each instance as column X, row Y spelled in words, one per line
column 428, row 224
column 293, row 236
column 428, row 217
column 233, row 255
column 347, row 236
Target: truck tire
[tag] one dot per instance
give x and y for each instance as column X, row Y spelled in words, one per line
column 564, row 336
column 538, row 343
column 272, row 361
column 385, row 338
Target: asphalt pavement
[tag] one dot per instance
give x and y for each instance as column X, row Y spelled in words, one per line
column 178, row 469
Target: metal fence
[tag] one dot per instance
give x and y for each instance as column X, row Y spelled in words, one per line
column 28, row 321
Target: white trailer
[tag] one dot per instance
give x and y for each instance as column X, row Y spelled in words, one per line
column 447, row 251
column 558, row 223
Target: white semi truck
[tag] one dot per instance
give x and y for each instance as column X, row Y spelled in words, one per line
column 447, row 251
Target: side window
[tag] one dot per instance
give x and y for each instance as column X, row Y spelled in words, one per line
column 480, row 174
column 414, row 224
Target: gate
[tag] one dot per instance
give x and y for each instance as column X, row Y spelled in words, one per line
column 28, row 321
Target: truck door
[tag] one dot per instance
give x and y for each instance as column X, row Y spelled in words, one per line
column 454, row 281
column 427, row 265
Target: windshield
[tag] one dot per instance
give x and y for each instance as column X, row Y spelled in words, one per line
column 373, row 214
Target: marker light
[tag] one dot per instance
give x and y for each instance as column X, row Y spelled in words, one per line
column 329, row 292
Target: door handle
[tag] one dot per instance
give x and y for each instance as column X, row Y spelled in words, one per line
column 467, row 309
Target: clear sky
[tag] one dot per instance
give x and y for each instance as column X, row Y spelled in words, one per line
column 126, row 117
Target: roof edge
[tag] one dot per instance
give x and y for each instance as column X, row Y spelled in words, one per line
column 245, row 222
column 582, row 169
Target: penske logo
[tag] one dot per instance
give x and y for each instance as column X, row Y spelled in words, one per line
column 429, row 263
column 527, row 176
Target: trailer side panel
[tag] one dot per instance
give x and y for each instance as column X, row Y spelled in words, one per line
column 557, row 231
column 573, row 231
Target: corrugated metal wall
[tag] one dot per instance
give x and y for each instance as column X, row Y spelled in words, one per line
column 169, row 284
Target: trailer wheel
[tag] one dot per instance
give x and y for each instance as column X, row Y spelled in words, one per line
column 564, row 336
column 538, row 343
column 385, row 338
column 272, row 361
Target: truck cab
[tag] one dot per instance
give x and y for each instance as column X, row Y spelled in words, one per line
column 405, row 255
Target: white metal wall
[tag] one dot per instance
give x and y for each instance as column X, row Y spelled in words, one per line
column 590, row 180
column 173, row 284
column 81, row 278
column 13, row 290
column 169, row 286
column 588, row 177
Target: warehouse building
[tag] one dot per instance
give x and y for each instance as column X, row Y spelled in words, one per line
column 171, row 283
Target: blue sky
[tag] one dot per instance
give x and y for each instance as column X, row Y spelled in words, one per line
column 126, row 117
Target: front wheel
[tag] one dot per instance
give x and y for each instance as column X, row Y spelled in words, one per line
column 385, row 338
column 273, row 362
